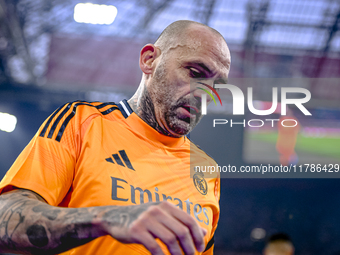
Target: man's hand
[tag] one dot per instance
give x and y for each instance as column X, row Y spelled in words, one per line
column 143, row 223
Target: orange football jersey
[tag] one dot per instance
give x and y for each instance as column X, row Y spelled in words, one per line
column 94, row 154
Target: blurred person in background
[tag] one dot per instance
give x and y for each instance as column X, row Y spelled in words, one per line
column 106, row 178
column 279, row 244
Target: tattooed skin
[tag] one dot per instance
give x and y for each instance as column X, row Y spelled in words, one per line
column 28, row 225
column 145, row 109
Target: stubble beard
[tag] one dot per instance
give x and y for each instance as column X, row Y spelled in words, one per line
column 181, row 125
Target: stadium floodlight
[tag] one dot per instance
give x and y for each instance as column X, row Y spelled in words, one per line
column 7, row 122
column 258, row 234
column 95, row 13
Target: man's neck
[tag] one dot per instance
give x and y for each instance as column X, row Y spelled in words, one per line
column 143, row 106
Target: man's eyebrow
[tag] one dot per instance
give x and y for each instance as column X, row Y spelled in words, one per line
column 219, row 80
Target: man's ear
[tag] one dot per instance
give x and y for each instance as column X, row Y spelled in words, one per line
column 148, row 55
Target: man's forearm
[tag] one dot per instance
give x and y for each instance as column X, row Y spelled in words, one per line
column 30, row 226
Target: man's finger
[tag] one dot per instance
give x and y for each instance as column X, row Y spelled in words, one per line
column 181, row 232
column 167, row 236
column 195, row 230
column 190, row 223
column 149, row 242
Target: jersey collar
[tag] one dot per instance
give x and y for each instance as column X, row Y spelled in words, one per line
column 125, row 108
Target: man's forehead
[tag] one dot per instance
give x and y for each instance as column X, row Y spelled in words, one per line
column 199, row 39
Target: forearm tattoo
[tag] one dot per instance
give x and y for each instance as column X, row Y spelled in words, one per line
column 29, row 225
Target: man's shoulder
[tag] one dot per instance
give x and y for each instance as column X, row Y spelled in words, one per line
column 75, row 114
column 89, row 108
column 200, row 159
column 82, row 110
column 196, row 150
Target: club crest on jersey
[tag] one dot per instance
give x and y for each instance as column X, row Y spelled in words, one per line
column 200, row 183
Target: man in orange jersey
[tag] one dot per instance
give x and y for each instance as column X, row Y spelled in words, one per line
column 105, row 178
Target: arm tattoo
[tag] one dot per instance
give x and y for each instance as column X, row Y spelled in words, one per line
column 123, row 216
column 29, row 225
column 12, row 214
column 37, row 235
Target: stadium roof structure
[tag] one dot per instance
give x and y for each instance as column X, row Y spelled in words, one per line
column 278, row 26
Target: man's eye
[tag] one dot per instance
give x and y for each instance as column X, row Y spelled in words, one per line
column 194, row 73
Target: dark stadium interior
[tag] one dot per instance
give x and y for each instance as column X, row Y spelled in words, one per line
column 48, row 59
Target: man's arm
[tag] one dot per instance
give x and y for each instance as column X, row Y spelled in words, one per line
column 28, row 225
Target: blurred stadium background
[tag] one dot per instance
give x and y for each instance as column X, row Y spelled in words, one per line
column 48, row 58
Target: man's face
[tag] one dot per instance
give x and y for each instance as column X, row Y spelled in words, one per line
column 202, row 57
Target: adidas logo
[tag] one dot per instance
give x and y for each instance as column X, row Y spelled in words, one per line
column 119, row 161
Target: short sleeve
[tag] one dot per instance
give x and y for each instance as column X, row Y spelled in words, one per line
column 46, row 166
